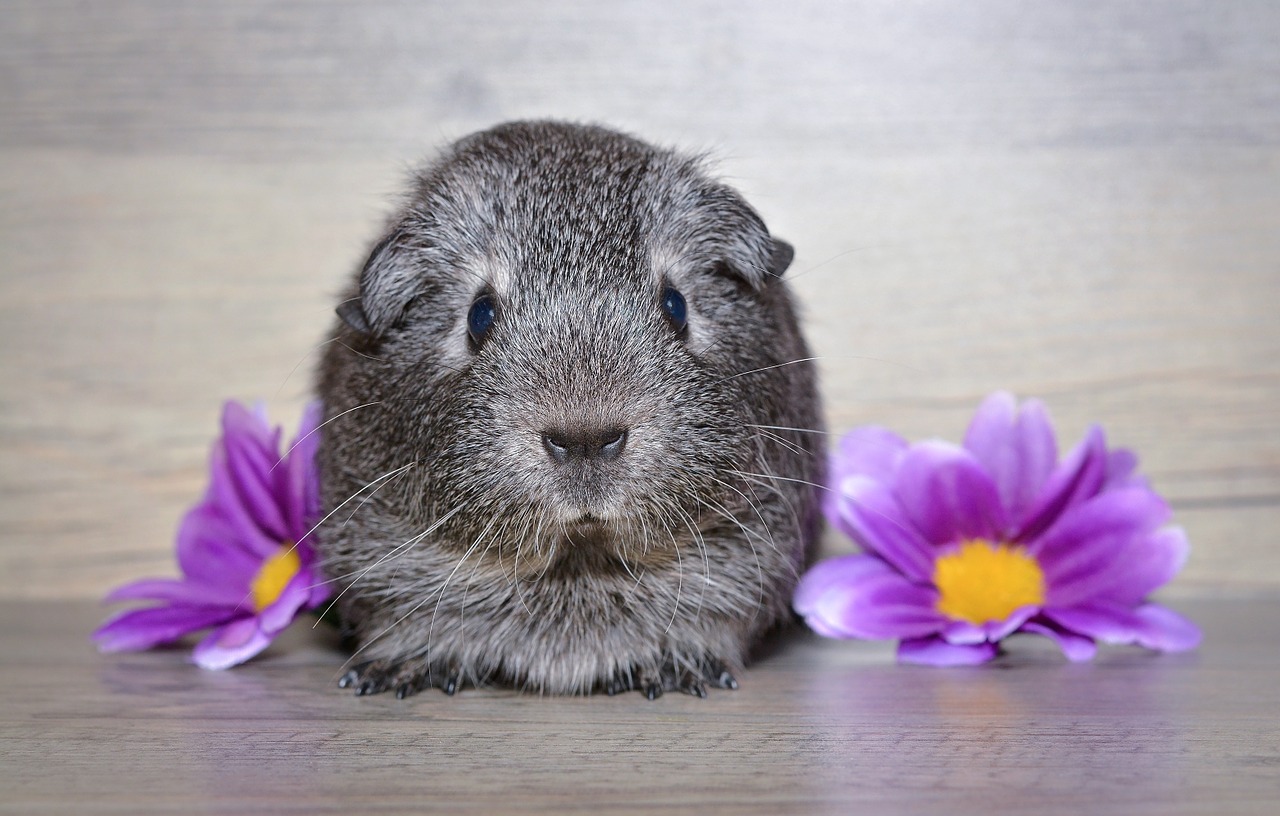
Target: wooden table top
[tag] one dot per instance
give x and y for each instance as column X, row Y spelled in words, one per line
column 817, row 726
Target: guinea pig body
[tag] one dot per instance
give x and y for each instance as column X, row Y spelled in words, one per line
column 572, row 427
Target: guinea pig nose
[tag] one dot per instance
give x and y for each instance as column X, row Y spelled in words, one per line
column 589, row 443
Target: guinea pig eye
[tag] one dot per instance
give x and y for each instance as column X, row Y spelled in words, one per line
column 676, row 310
column 484, row 311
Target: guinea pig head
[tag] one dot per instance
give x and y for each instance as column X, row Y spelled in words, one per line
column 554, row 331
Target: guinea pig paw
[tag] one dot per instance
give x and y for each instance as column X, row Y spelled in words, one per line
column 370, row 677
column 691, row 683
column 652, row 689
column 692, row 680
column 407, row 677
column 651, row 682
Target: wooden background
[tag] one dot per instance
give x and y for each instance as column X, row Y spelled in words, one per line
column 1076, row 200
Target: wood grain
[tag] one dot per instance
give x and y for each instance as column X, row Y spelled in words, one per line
column 817, row 727
column 1077, row 201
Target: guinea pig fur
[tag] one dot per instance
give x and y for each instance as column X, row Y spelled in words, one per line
column 572, row 430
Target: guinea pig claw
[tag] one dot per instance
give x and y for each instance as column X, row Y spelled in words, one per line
column 716, row 672
column 450, row 685
column 653, row 690
column 354, row 675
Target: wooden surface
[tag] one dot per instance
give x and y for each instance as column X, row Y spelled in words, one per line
column 818, row 726
column 1079, row 201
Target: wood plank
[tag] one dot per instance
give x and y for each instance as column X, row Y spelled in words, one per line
column 1074, row 201
column 818, row 726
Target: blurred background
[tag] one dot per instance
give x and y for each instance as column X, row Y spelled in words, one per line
column 1078, row 201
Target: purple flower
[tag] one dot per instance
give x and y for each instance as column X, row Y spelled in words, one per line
column 245, row 551
column 965, row 545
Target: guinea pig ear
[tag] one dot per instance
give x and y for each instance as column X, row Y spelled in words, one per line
column 780, row 257
column 386, row 286
column 352, row 313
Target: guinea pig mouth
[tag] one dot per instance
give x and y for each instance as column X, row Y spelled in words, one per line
column 588, row 503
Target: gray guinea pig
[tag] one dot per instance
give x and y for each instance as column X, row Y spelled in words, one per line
column 573, row 431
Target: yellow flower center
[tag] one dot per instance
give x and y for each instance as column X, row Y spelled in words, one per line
column 983, row 582
column 274, row 575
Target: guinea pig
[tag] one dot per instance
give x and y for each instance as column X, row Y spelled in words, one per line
column 573, row 432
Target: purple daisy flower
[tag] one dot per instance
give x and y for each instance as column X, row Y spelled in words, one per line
column 247, row 563
column 965, row 545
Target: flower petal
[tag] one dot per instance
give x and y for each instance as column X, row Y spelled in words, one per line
column 1166, row 630
column 156, row 625
column 227, row 495
column 1105, row 622
column 934, row 651
column 1082, row 548
column 963, row 633
column 868, row 451
column 1076, row 647
column 947, row 495
column 997, row 631
column 866, row 511
column 212, row 553
column 231, row 645
column 173, row 591
column 320, row 589
column 861, row 596
column 1016, row 447
column 1150, row 625
column 1122, row 466
column 293, row 599
column 299, row 484
column 248, row 463
column 1076, row 479
column 1147, row 563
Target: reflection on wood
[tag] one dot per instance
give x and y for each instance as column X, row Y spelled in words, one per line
column 818, row 726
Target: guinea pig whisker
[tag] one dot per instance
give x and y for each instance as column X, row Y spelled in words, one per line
column 786, row 443
column 755, row 507
column 796, row 430
column 298, row 365
column 800, row 273
column 745, row 474
column 316, row 429
column 516, row 584
column 369, row 497
column 626, row 567
column 675, row 607
column 394, row 553
column 755, row 554
column 362, row 354
column 466, row 590
column 766, row 537
column 644, row 534
column 767, row 368
column 412, row 540
column 439, row 596
column 549, row 558
column 370, row 641
column 701, row 544
column 350, row 498
column 819, row 357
